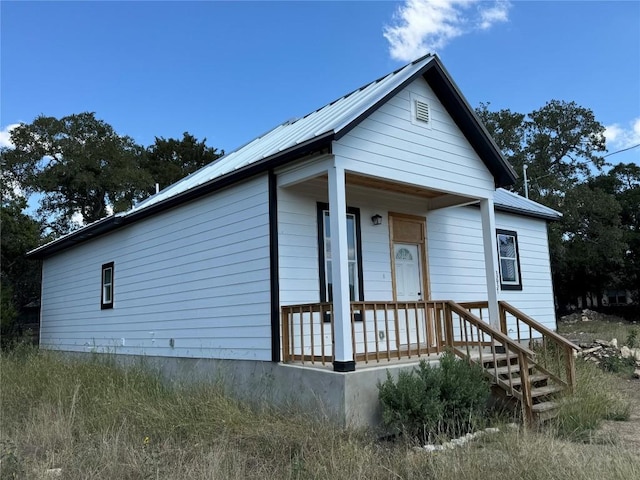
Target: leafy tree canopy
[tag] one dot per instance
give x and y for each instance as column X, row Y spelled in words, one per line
column 79, row 164
column 559, row 143
column 169, row 160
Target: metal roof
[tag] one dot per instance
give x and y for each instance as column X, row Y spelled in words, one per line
column 512, row 202
column 332, row 118
column 295, row 138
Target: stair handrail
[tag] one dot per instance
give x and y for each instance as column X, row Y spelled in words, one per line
column 568, row 346
column 526, row 356
column 489, row 330
column 546, row 331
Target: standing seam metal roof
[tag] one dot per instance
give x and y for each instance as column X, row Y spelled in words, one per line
column 333, row 117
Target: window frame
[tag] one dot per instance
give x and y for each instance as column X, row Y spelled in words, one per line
column 104, row 302
column 509, row 285
column 325, row 295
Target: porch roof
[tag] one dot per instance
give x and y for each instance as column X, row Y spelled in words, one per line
column 512, row 202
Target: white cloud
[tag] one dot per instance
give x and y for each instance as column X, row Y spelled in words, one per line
column 499, row 12
column 619, row 137
column 424, row 26
column 5, row 135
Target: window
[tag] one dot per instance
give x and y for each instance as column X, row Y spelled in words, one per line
column 510, row 278
column 356, row 291
column 617, row 297
column 106, row 297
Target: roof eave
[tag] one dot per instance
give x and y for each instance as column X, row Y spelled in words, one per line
column 553, row 217
column 114, row 222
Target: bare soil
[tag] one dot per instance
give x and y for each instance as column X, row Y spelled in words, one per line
column 628, row 432
column 607, row 327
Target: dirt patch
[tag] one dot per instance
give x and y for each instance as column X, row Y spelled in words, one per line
column 625, row 433
column 588, row 326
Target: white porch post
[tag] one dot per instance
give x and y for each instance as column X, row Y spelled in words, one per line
column 487, row 213
column 343, row 350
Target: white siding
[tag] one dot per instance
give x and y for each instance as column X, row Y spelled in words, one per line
column 298, row 239
column 454, row 250
column 457, row 263
column 389, row 145
column 198, row 274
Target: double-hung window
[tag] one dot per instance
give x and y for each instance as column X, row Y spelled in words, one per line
column 510, row 277
column 354, row 254
column 106, row 296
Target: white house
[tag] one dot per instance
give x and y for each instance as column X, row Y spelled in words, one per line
column 311, row 260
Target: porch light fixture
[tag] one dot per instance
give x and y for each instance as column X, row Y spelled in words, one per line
column 376, row 219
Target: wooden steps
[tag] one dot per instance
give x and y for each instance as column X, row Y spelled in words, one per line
column 506, row 373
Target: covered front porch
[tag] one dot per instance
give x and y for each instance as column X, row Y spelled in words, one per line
column 362, row 260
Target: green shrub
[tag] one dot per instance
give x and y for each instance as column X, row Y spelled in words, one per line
column 632, row 339
column 429, row 401
column 615, row 364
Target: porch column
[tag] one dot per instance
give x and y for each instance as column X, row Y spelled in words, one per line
column 487, row 213
column 343, row 350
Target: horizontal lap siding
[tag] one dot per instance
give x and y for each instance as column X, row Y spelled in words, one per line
column 198, row 274
column 457, row 268
column 387, row 144
column 298, row 239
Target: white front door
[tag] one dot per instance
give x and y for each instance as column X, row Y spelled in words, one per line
column 407, row 272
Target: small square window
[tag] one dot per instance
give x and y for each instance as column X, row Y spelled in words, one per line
column 106, row 297
column 509, row 260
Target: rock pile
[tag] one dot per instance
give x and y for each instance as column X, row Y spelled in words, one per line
column 601, row 350
column 585, row 315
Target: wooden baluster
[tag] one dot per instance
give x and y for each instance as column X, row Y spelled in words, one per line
column 570, row 363
column 284, row 314
column 364, row 331
column 322, row 344
column 386, row 330
column 312, row 336
column 527, row 401
column 416, row 309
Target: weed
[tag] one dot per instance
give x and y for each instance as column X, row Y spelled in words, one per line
column 94, row 420
column 594, row 401
column 632, row 339
column 619, row 365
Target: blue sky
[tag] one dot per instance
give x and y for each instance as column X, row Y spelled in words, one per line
column 229, row 71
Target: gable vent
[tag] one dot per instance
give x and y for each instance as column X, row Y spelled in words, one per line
column 422, row 111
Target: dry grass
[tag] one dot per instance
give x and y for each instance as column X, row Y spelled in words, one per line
column 95, row 421
column 611, row 327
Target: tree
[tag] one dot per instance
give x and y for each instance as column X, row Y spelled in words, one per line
column 590, row 245
column 19, row 276
column 559, row 143
column 169, row 160
column 623, row 181
column 79, row 165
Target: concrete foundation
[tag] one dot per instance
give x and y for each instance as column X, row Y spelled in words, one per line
column 347, row 399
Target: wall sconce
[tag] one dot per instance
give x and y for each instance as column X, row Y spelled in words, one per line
column 376, row 219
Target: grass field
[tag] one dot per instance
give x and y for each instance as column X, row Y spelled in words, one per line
column 92, row 420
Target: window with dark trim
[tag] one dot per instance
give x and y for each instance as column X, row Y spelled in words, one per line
column 356, row 290
column 106, row 295
column 509, row 260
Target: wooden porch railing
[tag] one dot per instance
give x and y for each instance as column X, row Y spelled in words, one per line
column 380, row 331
